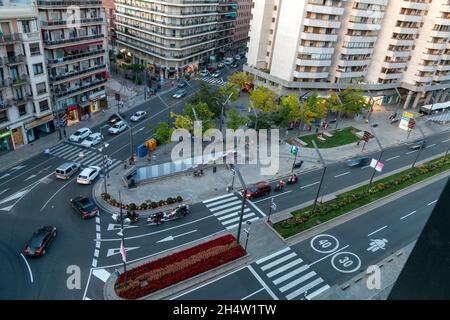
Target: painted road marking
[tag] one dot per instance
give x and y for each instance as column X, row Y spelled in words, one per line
column 278, row 261
column 285, row 267
column 265, row 286
column 233, row 214
column 346, row 262
column 376, row 231
column 365, row 167
column 405, row 216
column 114, row 251
column 217, row 198
column 290, row 274
column 96, row 252
column 235, row 208
column 273, row 255
column 411, row 151
column 97, row 228
column 432, row 202
column 225, row 205
column 28, row 266
column 235, row 225
column 170, row 238
column 252, row 294
column 94, row 263
column 445, row 140
column 277, row 195
column 325, row 243
column 251, row 214
column 102, row 274
column 328, row 255
column 392, row 158
column 342, row 174
column 304, row 288
column 430, row 146
column 298, row 281
column 220, row 201
column 309, row 185
column 317, row 292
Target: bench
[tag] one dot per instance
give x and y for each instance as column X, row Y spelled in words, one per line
column 327, row 134
column 301, row 142
column 321, row 138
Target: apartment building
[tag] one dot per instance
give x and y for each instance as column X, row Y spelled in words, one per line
column 25, row 109
column 390, row 48
column 74, row 36
column 244, row 14
column 110, row 22
column 173, row 37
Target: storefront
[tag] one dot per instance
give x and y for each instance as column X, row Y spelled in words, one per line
column 72, row 115
column 6, row 143
column 17, row 137
column 98, row 101
column 39, row 128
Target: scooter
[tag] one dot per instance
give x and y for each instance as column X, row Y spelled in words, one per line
column 198, row 173
column 292, row 180
column 280, row 185
column 161, row 217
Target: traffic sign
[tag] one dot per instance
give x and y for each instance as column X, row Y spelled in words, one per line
column 377, row 165
column 294, row 150
column 366, row 136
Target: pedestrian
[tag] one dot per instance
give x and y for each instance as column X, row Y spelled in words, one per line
column 64, row 132
column 125, row 164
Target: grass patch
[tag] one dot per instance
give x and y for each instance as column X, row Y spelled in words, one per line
column 340, row 137
column 304, row 219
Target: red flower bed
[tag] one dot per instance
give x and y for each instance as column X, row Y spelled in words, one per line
column 166, row 271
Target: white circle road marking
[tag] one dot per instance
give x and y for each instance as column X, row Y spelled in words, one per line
column 327, row 241
column 345, row 260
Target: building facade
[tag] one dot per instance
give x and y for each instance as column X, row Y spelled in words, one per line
column 244, row 14
column 74, row 36
column 110, row 22
column 390, row 48
column 175, row 36
column 25, row 107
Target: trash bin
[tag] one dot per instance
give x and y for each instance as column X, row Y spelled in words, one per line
column 141, row 150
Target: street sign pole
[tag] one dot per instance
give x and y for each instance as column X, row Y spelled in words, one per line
column 420, row 148
column 321, row 178
column 379, row 159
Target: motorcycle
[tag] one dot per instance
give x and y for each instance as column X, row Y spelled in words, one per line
column 130, row 217
column 198, row 173
column 280, row 185
column 161, row 217
column 298, row 165
column 293, row 179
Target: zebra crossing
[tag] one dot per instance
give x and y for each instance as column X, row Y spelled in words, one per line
column 85, row 156
column 213, row 81
column 227, row 209
column 97, row 280
column 291, row 275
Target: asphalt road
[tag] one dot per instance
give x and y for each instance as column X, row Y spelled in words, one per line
column 318, row 263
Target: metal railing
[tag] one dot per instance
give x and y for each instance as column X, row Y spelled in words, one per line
column 10, row 38
column 74, row 90
column 68, row 2
column 64, row 22
column 15, row 59
column 73, row 39
column 75, row 56
column 76, row 73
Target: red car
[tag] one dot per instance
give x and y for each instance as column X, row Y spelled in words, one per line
column 258, row 190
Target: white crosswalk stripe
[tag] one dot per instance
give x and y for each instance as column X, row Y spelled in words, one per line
column 72, row 152
column 227, row 209
column 214, row 81
column 291, row 275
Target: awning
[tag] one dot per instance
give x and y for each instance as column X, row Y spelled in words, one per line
column 38, row 122
column 82, row 46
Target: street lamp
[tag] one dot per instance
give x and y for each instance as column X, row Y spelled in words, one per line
column 379, row 158
column 420, row 148
column 247, row 232
column 123, row 238
column 321, row 178
column 101, row 149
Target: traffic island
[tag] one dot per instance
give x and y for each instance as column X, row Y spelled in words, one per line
column 304, row 219
column 331, row 138
column 150, row 277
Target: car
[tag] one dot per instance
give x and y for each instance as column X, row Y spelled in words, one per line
column 237, row 57
column 80, row 134
column 416, row 144
column 115, row 118
column 204, row 73
column 258, row 190
column 118, row 128
column 235, row 65
column 220, row 65
column 92, row 140
column 66, row 170
column 358, row 162
column 88, row 175
column 40, row 241
column 84, row 206
column 228, row 61
column 138, row 116
column 216, row 74
column 179, row 94
column 182, row 84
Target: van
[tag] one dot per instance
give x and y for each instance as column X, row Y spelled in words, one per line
column 66, row 170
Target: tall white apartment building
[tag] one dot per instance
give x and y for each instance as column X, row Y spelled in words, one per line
column 174, row 36
column 25, row 109
column 387, row 47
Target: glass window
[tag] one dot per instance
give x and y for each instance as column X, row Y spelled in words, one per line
column 37, row 68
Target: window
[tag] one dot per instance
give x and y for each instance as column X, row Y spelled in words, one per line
column 41, row 88
column 22, row 109
column 43, row 105
column 37, row 68
column 3, row 116
column 26, row 26
column 35, row 49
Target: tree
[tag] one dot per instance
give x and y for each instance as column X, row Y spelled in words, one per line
column 212, row 98
column 353, row 101
column 234, row 119
column 263, row 99
column 239, row 79
column 225, row 91
column 203, row 113
column 182, row 122
column 163, row 133
column 314, row 108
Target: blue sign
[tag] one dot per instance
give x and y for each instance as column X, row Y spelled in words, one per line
column 294, row 150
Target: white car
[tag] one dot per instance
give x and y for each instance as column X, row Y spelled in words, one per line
column 228, row 61
column 92, row 140
column 216, row 74
column 80, row 134
column 139, row 115
column 88, row 175
column 204, row 73
column 118, row 128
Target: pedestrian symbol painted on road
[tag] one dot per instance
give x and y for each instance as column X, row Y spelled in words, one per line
column 377, row 244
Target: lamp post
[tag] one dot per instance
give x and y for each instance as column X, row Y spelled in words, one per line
column 101, row 149
column 123, row 238
column 379, row 158
column 247, row 232
column 420, row 148
column 300, row 101
column 321, row 178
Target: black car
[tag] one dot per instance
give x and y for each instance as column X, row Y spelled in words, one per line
column 114, row 119
column 182, row 84
column 84, row 206
column 416, row 144
column 358, row 162
column 40, row 241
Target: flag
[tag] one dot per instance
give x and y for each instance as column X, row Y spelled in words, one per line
column 123, row 252
column 273, row 205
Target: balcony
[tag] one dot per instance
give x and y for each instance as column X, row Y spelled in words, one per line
column 414, row 5
column 4, row 104
column 337, row 11
column 367, row 13
column 390, row 76
column 65, row 3
column 431, row 57
column 313, row 63
column 377, row 2
column 14, row 60
column 320, row 50
column 409, row 18
column 350, row 51
column 74, row 57
column 20, row 81
column 364, row 26
column 441, row 77
column 4, row 83
column 322, row 23
column 440, row 34
column 30, row 36
column 353, row 63
column 445, row 8
column 56, row 43
column 9, row 39
column 23, row 99
column 359, row 39
column 56, row 24
column 311, row 75
column 443, row 67
column 398, row 42
column 424, row 68
column 398, row 54
column 178, row 25
column 442, row 21
column 319, row 37
column 350, row 74
column 436, row 46
column 423, row 79
column 394, row 65
column 68, row 75
column 403, row 30
column 70, row 91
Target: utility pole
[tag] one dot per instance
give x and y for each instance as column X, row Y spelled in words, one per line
column 378, row 160
column 340, row 109
column 105, row 167
column 321, row 178
column 123, row 237
column 244, row 198
column 420, row 148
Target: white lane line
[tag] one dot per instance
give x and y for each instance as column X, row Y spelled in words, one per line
column 342, row 174
column 18, row 175
column 97, row 228
column 233, row 214
column 309, row 185
column 328, row 255
column 225, row 205
column 392, row 158
column 303, row 278
column 365, row 167
column 376, row 231
column 290, row 275
column 97, row 244
column 87, row 285
column 405, row 216
column 252, row 294
column 102, row 274
column 97, row 220
column 430, row 146
column 274, row 297
column 235, row 209
column 98, row 236
column 317, row 292
column 28, row 266
column 94, row 263
column 251, row 214
column 215, row 203
column 409, row 152
column 280, row 194
column 445, row 140
column 54, row 195
column 273, row 255
column 432, row 202
column 284, row 268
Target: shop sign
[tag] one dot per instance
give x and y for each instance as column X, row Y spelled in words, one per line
column 5, row 134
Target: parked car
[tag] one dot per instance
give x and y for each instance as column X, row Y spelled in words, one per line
column 88, row 175
column 216, row 74
column 80, row 134
column 118, row 128
column 237, row 57
column 182, row 84
column 228, row 61
column 258, row 190
column 84, row 206
column 416, row 144
column 92, row 140
column 220, row 65
column 40, row 241
column 66, row 170
column 114, row 119
column 179, row 94
column 138, row 116
column 204, row 73
column 358, row 162
column 235, row 65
